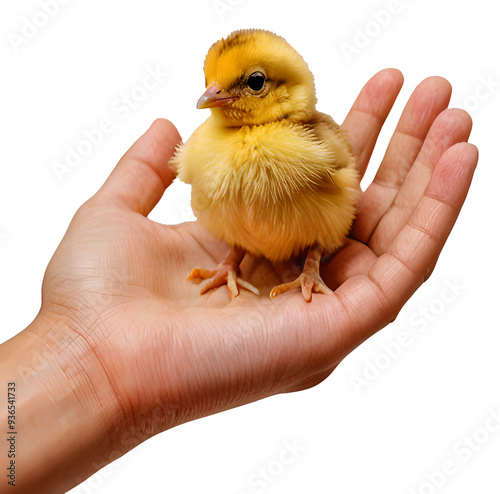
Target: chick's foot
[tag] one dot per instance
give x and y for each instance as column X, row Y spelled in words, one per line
column 308, row 281
column 226, row 273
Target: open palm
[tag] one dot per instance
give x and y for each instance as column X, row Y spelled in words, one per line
column 119, row 279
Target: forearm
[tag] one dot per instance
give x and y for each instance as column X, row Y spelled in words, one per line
column 63, row 421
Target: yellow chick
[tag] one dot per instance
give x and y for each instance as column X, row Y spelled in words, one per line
column 270, row 175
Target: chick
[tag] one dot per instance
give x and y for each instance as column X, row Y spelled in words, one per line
column 270, row 175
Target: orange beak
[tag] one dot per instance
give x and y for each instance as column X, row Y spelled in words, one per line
column 215, row 96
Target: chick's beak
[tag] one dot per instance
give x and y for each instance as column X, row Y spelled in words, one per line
column 215, row 96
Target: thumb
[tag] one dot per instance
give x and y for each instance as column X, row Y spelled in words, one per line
column 142, row 175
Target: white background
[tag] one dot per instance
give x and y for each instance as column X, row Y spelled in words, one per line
column 414, row 415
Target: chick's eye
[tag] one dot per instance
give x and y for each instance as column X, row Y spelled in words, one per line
column 256, row 81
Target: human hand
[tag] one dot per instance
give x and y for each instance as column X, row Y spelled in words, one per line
column 146, row 352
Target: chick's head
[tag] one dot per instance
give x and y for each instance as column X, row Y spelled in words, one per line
column 254, row 77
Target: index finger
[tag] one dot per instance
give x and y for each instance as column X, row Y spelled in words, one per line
column 369, row 112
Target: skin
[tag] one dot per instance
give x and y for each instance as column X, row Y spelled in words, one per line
column 124, row 347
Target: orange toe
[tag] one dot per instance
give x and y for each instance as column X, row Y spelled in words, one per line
column 223, row 274
column 308, row 282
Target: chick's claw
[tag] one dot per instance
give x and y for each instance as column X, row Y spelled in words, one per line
column 307, row 282
column 223, row 274
column 197, row 275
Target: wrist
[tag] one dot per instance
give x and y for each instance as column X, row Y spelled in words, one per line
column 67, row 418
